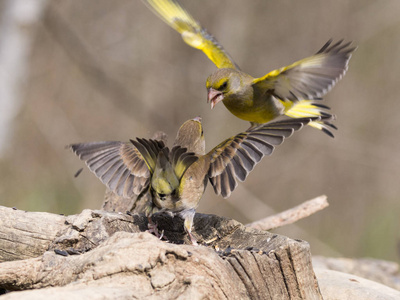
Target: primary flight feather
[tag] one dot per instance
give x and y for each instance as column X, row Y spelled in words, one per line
column 287, row 91
column 176, row 178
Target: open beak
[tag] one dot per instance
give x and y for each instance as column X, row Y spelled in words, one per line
column 214, row 97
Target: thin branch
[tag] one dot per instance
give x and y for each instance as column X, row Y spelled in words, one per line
column 291, row 215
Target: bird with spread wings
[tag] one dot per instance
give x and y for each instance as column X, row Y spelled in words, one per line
column 290, row 90
column 176, row 178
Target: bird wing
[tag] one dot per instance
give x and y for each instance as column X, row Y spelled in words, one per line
column 192, row 33
column 170, row 167
column 236, row 157
column 120, row 166
column 309, row 78
column 181, row 160
column 149, row 150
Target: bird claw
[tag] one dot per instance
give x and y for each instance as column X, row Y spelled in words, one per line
column 152, row 228
column 192, row 239
column 161, row 235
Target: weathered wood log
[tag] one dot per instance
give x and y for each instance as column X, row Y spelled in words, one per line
column 26, row 234
column 115, row 258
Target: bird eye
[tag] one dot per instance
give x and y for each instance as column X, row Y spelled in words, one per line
column 224, row 85
column 161, row 196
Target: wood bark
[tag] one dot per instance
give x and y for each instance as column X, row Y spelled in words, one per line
column 109, row 254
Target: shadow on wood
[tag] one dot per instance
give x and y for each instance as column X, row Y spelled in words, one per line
column 103, row 253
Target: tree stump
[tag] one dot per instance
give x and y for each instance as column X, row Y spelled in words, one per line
column 109, row 254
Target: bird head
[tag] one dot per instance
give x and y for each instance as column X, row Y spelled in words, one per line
column 222, row 84
column 191, row 137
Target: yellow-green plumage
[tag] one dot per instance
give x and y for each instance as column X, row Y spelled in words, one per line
column 177, row 178
column 289, row 91
column 192, row 32
column 165, row 179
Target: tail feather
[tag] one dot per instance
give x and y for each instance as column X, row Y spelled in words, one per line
column 307, row 108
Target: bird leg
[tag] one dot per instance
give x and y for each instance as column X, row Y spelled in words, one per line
column 152, row 228
column 192, row 238
column 188, row 217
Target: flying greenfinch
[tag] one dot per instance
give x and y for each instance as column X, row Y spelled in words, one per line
column 176, row 178
column 289, row 91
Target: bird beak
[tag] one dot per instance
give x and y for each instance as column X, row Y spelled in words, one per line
column 198, row 119
column 214, row 97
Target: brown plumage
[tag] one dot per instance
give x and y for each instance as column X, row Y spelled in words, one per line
column 177, row 178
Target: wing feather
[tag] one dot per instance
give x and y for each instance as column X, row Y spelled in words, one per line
column 181, row 160
column 311, row 77
column 120, row 166
column 235, row 158
column 192, row 33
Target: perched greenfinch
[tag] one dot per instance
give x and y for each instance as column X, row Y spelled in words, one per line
column 177, row 177
column 286, row 91
column 134, row 203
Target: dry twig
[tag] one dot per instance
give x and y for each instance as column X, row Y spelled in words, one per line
column 291, row 215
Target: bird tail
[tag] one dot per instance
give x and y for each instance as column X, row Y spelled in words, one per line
column 308, row 108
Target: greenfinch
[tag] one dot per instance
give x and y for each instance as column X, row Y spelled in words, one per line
column 286, row 91
column 133, row 203
column 176, row 178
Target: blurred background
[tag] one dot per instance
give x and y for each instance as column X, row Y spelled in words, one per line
column 79, row 71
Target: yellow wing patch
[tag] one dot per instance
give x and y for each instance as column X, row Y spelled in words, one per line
column 192, row 33
column 311, row 77
column 181, row 160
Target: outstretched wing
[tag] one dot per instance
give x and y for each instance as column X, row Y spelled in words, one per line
column 192, row 33
column 309, row 78
column 120, row 166
column 236, row 157
column 181, row 160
